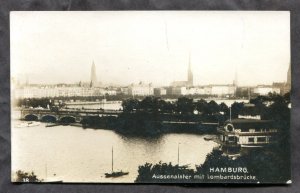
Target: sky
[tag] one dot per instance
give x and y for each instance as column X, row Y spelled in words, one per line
column 150, row 46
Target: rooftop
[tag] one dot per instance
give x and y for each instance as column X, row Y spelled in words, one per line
column 251, row 123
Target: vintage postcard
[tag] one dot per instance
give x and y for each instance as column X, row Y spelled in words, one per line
column 150, row 96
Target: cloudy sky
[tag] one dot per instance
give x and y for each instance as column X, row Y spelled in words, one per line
column 151, row 46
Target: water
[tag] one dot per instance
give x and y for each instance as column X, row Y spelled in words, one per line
column 74, row 154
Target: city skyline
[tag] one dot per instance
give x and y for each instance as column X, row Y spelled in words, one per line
column 126, row 50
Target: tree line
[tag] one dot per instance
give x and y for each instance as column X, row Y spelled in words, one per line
column 183, row 105
column 268, row 107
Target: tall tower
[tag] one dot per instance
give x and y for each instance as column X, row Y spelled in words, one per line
column 235, row 82
column 190, row 81
column 288, row 84
column 93, row 75
column 289, row 80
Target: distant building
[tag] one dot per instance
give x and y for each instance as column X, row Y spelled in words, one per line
column 124, row 90
column 277, row 87
column 195, row 91
column 244, row 91
column 179, row 90
column 223, row 90
column 160, row 91
column 281, row 86
column 169, row 90
column 207, row 90
column 265, row 89
column 182, row 90
column 217, row 90
column 107, row 91
column 140, row 89
column 59, row 91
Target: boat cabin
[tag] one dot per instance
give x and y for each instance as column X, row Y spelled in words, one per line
column 247, row 133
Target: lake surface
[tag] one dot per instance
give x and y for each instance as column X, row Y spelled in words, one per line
column 73, row 154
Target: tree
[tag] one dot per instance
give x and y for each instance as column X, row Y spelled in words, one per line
column 287, row 97
column 150, row 104
column 185, row 105
column 213, row 107
column 224, row 108
column 166, row 107
column 259, row 100
column 280, row 112
column 26, row 177
column 130, row 105
column 236, row 108
column 202, row 106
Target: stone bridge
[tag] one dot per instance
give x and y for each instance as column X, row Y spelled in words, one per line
column 64, row 115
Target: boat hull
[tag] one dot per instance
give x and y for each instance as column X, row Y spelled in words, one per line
column 115, row 174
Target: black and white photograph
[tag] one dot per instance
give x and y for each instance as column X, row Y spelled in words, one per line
column 150, row 97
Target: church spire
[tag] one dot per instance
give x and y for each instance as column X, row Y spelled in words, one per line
column 289, row 80
column 235, row 82
column 93, row 75
column 190, row 73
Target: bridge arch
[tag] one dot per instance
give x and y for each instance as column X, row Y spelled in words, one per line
column 49, row 118
column 31, row 117
column 67, row 119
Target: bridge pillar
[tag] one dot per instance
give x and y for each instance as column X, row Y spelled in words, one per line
column 23, row 114
column 39, row 116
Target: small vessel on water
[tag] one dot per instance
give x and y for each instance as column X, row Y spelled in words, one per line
column 52, row 124
column 206, row 138
column 76, row 124
column 114, row 174
column 28, row 124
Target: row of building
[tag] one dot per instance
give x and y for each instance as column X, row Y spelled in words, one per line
column 226, row 90
column 59, row 91
column 143, row 89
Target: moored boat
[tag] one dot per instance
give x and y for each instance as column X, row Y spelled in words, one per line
column 76, row 124
column 114, row 174
column 208, row 138
column 28, row 124
column 52, row 124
